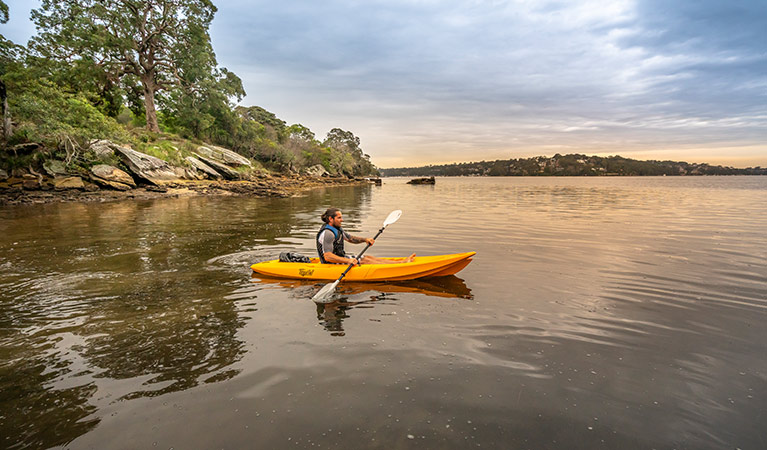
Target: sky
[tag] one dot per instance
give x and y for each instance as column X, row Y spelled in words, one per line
column 441, row 81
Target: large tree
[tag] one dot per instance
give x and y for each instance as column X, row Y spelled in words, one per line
column 7, row 50
column 133, row 41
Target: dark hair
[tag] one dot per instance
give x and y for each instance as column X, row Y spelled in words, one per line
column 330, row 212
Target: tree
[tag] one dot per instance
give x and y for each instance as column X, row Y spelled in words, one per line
column 7, row 56
column 343, row 140
column 148, row 40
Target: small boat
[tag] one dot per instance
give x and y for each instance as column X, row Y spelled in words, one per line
column 420, row 267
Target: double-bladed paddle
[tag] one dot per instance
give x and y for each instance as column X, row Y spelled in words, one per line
column 323, row 296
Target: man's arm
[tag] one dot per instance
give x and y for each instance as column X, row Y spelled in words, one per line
column 357, row 239
column 333, row 258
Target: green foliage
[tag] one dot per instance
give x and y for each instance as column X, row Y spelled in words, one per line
column 162, row 44
column 3, row 12
column 97, row 68
column 48, row 115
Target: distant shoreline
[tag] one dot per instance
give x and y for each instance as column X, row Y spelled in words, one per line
column 570, row 165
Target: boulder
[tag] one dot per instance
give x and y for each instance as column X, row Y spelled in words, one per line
column 317, row 171
column 113, row 177
column 54, row 167
column 223, row 155
column 3, row 174
column 146, row 167
column 68, row 183
column 226, row 171
column 30, row 184
column 202, row 167
column 103, row 148
column 186, row 173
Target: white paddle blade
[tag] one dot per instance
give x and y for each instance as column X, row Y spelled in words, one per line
column 323, row 296
column 393, row 217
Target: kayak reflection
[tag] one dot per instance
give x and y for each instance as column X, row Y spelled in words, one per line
column 449, row 286
column 352, row 295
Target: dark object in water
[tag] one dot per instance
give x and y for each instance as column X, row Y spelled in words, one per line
column 294, row 257
column 429, row 180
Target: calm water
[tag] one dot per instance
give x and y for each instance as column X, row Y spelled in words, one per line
column 598, row 313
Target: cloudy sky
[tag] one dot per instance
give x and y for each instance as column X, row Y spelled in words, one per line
column 430, row 82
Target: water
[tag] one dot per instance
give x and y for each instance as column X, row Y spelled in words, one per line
column 598, row 313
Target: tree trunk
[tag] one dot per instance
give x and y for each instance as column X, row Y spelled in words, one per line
column 6, row 113
column 151, row 111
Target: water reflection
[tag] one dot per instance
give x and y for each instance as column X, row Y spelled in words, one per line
column 447, row 287
column 350, row 295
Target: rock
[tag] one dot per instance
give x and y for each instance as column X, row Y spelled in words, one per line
column 223, row 155
column 3, row 174
column 103, row 148
column 146, row 167
column 202, row 167
column 68, row 183
column 226, row 171
column 113, row 177
column 54, row 167
column 316, row 171
column 429, row 180
column 185, row 173
column 30, row 185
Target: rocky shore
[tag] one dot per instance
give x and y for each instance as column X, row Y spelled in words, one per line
column 211, row 171
column 274, row 186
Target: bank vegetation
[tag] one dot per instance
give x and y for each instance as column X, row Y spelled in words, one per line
column 104, row 76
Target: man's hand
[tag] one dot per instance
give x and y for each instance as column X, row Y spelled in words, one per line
column 370, row 241
column 354, row 261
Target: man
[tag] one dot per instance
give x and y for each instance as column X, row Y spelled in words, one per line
column 330, row 243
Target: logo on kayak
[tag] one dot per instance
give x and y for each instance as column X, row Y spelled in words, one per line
column 305, row 272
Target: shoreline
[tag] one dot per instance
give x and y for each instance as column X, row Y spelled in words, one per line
column 271, row 186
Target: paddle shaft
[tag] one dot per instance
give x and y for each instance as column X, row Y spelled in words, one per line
column 359, row 257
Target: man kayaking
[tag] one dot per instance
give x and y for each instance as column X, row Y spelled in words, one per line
column 330, row 243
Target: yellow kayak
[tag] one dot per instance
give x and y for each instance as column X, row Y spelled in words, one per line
column 421, row 266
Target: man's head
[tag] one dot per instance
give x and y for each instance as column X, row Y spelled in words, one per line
column 333, row 217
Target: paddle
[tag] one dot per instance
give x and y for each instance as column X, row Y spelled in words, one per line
column 323, row 296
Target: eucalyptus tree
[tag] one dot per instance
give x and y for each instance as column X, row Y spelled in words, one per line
column 7, row 50
column 147, row 44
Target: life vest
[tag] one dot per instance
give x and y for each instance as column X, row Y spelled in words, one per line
column 338, row 242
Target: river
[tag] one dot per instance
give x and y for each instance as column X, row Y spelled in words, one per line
column 611, row 312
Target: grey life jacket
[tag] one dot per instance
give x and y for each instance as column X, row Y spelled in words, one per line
column 338, row 242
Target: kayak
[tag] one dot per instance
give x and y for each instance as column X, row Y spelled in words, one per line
column 421, row 266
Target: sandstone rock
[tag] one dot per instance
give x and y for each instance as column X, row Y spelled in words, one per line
column 149, row 168
column 103, row 148
column 31, row 185
column 317, row 171
column 68, row 183
column 223, row 155
column 55, row 167
column 202, row 167
column 185, row 173
column 112, row 177
column 226, row 171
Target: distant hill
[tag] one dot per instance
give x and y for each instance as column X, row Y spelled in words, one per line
column 570, row 165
